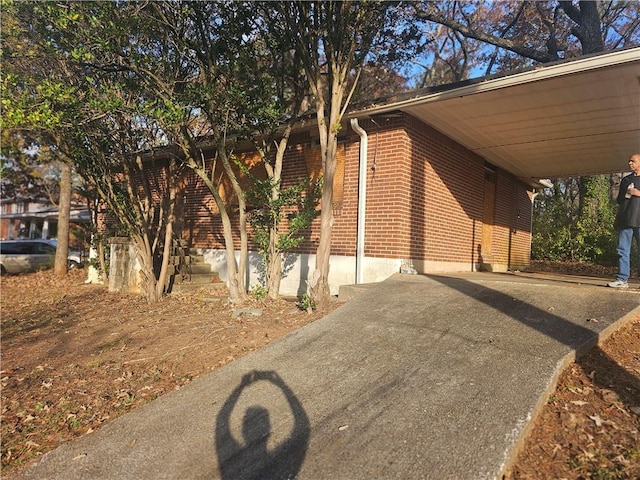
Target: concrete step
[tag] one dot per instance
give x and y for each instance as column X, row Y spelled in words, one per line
column 212, row 289
column 348, row 292
column 193, row 269
column 199, row 278
column 197, row 260
column 201, row 268
column 194, row 262
column 198, row 275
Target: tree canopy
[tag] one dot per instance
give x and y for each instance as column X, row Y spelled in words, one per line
column 108, row 86
column 482, row 38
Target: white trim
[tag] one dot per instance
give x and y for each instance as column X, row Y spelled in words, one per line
column 301, row 266
column 579, row 65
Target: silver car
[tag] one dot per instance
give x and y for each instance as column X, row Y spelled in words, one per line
column 22, row 256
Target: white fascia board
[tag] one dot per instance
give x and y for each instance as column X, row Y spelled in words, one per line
column 542, row 72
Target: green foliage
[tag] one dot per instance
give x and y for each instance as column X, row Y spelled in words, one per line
column 273, row 205
column 574, row 222
column 259, row 292
column 26, row 170
column 307, row 303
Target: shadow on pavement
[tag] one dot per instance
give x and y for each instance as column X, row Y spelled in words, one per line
column 581, row 339
column 252, row 458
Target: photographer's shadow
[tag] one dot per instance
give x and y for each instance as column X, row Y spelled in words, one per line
column 252, row 458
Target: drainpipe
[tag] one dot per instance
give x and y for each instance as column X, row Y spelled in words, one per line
column 362, row 198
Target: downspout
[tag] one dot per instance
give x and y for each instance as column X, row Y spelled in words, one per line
column 362, row 198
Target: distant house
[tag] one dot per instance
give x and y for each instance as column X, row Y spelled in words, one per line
column 37, row 218
column 444, row 179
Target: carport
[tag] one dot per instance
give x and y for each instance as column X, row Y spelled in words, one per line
column 575, row 117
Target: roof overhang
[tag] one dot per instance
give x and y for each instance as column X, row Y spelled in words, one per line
column 573, row 118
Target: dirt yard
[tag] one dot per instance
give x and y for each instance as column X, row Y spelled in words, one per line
column 75, row 357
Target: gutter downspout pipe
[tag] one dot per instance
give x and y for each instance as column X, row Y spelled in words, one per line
column 362, row 198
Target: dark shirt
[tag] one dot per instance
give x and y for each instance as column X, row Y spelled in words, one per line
column 628, row 208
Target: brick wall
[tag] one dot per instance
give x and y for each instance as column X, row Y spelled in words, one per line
column 512, row 231
column 425, row 198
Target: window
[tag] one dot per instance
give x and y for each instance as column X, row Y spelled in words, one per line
column 39, row 248
column 10, row 248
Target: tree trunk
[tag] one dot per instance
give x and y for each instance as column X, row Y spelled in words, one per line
column 236, row 293
column 240, row 284
column 103, row 264
column 274, row 265
column 588, row 24
column 147, row 273
column 319, row 289
column 64, row 215
column 274, row 256
column 275, row 276
column 172, row 184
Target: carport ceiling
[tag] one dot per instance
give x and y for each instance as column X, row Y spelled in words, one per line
column 573, row 118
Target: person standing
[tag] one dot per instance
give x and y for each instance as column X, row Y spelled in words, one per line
column 628, row 222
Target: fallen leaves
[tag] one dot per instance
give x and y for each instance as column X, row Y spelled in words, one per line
column 597, row 420
column 76, row 356
column 590, row 428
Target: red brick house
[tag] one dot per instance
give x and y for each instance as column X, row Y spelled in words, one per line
column 428, row 200
column 445, row 178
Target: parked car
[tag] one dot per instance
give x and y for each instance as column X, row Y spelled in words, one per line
column 22, row 256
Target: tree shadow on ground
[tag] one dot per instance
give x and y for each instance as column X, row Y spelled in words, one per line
column 609, row 375
column 41, row 316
